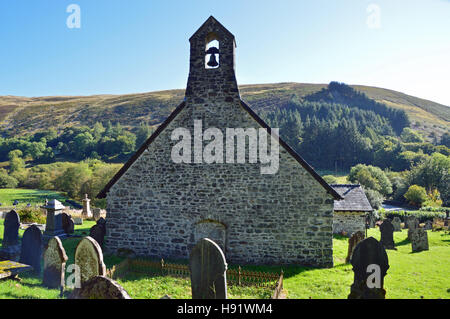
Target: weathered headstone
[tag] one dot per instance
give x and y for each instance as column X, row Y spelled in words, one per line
column 396, row 222
column 100, row 287
column 352, row 242
column 419, row 240
column 54, row 264
column 370, row 264
column 89, row 257
column 67, row 223
column 96, row 213
column 387, row 234
column 208, row 268
column 31, row 250
column 86, row 207
column 98, row 232
column 413, row 223
column 428, row 225
column 78, row 221
column 10, row 244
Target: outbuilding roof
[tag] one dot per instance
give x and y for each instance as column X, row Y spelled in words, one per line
column 354, row 198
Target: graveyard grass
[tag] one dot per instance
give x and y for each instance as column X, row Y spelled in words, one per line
column 411, row 275
column 25, row 196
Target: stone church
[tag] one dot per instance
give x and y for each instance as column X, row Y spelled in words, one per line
column 160, row 208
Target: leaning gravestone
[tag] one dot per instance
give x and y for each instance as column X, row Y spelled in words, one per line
column 387, row 234
column 10, row 245
column 352, row 242
column 68, row 224
column 31, row 250
column 89, row 257
column 54, row 264
column 208, row 268
column 100, row 287
column 419, row 240
column 396, row 222
column 98, row 231
column 369, row 259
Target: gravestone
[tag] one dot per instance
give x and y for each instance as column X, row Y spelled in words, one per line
column 54, row 264
column 208, row 268
column 352, row 242
column 68, row 224
column 89, row 257
column 53, row 225
column 419, row 240
column 428, row 225
column 10, row 244
column 98, row 231
column 100, row 287
column 96, row 213
column 368, row 255
column 31, row 250
column 387, row 234
column 413, row 223
column 78, row 221
column 86, row 207
column 396, row 222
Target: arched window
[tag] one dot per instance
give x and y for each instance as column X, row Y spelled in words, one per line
column 212, row 53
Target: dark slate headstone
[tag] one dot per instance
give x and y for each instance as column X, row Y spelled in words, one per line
column 54, row 264
column 31, row 251
column 208, row 268
column 419, row 240
column 67, row 223
column 89, row 257
column 102, row 222
column 100, row 287
column 367, row 253
column 10, row 245
column 352, row 242
column 98, row 233
column 387, row 234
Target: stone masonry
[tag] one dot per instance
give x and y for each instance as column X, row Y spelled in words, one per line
column 160, row 209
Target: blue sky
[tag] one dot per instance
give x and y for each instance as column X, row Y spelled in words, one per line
column 142, row 45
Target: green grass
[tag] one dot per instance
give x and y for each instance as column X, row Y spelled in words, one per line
column 25, row 196
column 411, row 275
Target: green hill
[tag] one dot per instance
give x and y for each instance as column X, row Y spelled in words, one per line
column 23, row 115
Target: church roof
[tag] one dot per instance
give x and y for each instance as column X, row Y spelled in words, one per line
column 294, row 154
column 213, row 21
column 354, row 198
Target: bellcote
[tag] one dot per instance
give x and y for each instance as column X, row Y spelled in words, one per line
column 212, row 64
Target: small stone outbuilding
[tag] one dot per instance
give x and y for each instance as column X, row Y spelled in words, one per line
column 351, row 212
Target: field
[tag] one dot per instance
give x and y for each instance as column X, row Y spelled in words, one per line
column 410, row 276
column 25, row 196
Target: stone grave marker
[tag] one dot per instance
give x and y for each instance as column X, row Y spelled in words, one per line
column 369, row 258
column 396, row 222
column 55, row 259
column 78, row 221
column 98, row 232
column 10, row 244
column 413, row 223
column 31, row 250
column 428, row 225
column 96, row 213
column 419, row 240
column 387, row 234
column 208, row 268
column 68, row 224
column 89, row 257
column 352, row 242
column 86, row 207
column 100, row 287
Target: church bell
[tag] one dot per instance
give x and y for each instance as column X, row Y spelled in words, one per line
column 212, row 59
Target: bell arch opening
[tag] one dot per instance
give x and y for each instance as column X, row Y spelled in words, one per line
column 212, row 53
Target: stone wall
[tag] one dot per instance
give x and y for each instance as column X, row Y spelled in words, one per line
column 160, row 209
column 349, row 222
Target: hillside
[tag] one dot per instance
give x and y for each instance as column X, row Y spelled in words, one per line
column 23, row 115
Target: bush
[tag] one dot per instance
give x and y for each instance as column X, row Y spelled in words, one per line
column 31, row 215
column 422, row 216
column 330, row 179
column 375, row 198
column 7, row 181
column 416, row 195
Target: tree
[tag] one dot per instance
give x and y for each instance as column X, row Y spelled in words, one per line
column 7, row 181
column 416, row 195
column 371, row 177
column 410, row 136
column 142, row 134
column 374, row 197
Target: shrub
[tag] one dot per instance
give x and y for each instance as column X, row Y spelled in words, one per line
column 31, row 215
column 374, row 197
column 7, row 181
column 330, row 179
column 422, row 216
column 416, row 195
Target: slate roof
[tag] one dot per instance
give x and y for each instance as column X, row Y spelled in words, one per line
column 354, row 198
